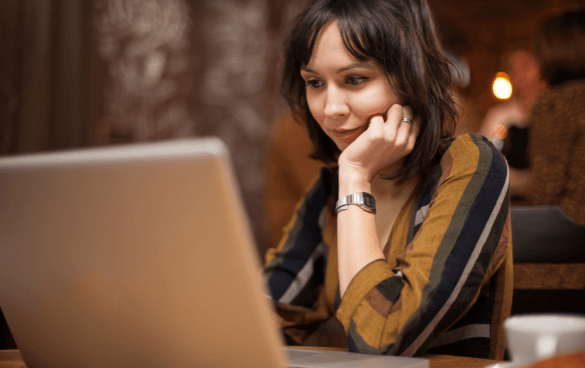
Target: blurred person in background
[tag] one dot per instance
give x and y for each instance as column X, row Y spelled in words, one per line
column 557, row 119
column 506, row 124
column 522, row 68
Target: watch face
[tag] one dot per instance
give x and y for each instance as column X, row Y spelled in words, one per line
column 369, row 201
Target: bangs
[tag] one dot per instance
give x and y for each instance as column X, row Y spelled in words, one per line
column 360, row 38
column 311, row 29
column 359, row 29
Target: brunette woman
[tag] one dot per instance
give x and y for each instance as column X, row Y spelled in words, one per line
column 404, row 238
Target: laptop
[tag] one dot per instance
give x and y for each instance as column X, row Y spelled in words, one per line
column 139, row 256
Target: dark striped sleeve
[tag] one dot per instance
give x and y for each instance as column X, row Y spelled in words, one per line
column 459, row 243
column 296, row 268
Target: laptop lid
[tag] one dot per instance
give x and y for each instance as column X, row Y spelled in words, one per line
column 133, row 256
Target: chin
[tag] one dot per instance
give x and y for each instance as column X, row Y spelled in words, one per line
column 342, row 146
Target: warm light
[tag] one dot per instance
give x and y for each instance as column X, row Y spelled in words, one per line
column 502, row 86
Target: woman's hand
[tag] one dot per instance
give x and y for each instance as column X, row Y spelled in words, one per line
column 385, row 143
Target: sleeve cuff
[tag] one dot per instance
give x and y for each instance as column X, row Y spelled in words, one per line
column 365, row 280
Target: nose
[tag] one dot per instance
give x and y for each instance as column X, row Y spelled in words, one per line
column 335, row 104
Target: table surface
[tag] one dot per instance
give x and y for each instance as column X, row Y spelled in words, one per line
column 12, row 359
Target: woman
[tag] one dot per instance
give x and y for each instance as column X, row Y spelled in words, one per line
column 557, row 121
column 422, row 261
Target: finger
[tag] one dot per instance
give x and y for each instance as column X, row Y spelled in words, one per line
column 377, row 121
column 414, row 133
column 393, row 117
column 376, row 127
column 406, row 124
column 416, row 126
column 394, row 113
column 407, row 112
column 407, row 115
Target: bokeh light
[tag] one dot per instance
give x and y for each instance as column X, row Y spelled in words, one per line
column 502, row 87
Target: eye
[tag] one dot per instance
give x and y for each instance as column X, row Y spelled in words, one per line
column 356, row 80
column 313, row 83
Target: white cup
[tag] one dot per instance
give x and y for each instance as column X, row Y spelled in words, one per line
column 533, row 337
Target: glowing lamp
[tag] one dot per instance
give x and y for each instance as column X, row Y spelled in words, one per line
column 502, row 87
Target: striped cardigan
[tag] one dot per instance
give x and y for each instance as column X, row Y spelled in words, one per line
column 446, row 283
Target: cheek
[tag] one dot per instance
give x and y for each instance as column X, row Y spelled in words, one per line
column 375, row 102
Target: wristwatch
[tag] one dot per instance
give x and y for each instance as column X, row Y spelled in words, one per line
column 365, row 200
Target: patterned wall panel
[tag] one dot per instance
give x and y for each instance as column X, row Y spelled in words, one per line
column 236, row 104
column 145, row 44
column 181, row 68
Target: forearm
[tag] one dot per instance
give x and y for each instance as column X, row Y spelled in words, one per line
column 357, row 238
column 383, row 147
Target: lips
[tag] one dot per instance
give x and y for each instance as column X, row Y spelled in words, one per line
column 348, row 136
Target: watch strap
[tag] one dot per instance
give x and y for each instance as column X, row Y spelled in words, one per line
column 363, row 199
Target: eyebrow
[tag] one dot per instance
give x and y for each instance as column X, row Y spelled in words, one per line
column 342, row 69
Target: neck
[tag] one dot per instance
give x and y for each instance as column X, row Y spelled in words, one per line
column 382, row 188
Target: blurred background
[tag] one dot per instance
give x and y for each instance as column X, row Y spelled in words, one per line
column 100, row 72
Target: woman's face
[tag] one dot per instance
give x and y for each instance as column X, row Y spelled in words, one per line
column 343, row 93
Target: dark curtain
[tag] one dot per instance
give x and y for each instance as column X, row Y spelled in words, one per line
column 46, row 51
column 45, row 54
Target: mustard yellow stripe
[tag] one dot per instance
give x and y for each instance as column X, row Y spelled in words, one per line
column 465, row 156
column 399, row 233
column 360, row 285
column 331, row 272
column 374, row 329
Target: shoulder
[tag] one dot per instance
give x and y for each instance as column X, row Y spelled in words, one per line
column 470, row 149
column 472, row 155
column 563, row 102
column 564, row 93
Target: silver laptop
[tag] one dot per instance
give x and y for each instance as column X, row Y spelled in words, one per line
column 139, row 256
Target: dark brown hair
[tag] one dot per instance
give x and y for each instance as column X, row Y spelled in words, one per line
column 560, row 47
column 400, row 36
